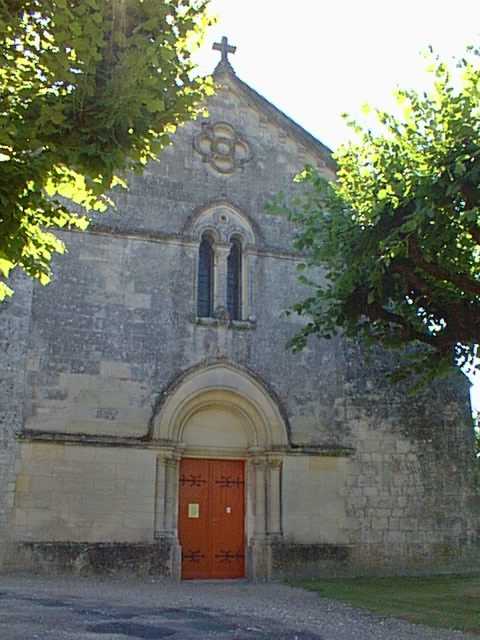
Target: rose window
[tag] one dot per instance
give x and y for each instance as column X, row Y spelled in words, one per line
column 221, row 146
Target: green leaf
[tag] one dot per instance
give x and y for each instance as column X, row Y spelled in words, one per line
column 5, row 267
column 396, row 235
column 84, row 103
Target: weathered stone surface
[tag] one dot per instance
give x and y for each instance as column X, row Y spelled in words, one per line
column 99, row 558
column 91, row 361
column 15, row 320
column 302, row 561
column 84, row 493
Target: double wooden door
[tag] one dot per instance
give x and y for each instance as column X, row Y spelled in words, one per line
column 212, row 518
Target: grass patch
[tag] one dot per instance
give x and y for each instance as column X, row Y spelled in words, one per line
column 452, row 602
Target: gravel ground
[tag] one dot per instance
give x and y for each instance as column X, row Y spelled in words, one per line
column 72, row 608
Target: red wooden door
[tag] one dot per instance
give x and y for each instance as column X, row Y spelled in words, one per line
column 211, row 518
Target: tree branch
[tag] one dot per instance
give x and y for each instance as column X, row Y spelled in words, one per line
column 475, row 233
column 377, row 311
column 406, row 269
column 461, row 281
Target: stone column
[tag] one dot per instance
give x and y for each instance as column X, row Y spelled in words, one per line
column 260, row 502
column 171, row 495
column 249, row 266
column 258, row 559
column 274, row 503
column 160, row 493
column 166, row 511
column 222, row 251
column 166, row 507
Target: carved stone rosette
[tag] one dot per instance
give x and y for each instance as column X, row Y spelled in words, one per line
column 222, row 147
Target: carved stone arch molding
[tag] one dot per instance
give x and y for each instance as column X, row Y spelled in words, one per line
column 226, row 220
column 225, row 385
column 222, row 208
column 220, row 411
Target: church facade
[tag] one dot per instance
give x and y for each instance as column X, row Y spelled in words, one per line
column 153, row 419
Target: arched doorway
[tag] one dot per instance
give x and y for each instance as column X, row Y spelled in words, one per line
column 221, row 413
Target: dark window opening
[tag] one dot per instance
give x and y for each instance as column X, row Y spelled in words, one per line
column 205, row 278
column 234, row 280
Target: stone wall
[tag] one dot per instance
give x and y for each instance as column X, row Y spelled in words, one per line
column 314, row 500
column 103, row 558
column 80, row 493
column 15, row 318
column 117, row 327
column 410, row 484
column 98, row 350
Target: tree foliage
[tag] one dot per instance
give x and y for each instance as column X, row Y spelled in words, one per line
column 89, row 89
column 397, row 235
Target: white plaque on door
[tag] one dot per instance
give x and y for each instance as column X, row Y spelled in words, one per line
column 193, row 510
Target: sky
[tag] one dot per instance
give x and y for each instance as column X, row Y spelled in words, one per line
column 316, row 60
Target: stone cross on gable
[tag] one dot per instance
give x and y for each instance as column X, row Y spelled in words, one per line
column 224, row 48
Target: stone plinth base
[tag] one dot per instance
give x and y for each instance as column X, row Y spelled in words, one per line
column 291, row 560
column 266, row 559
column 94, row 558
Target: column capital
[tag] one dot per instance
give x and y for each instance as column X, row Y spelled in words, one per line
column 221, row 249
column 258, row 461
column 256, row 454
column 274, row 461
column 168, row 457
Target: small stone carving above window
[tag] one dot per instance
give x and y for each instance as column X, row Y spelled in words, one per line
column 221, row 146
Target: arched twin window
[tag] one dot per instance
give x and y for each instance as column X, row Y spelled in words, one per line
column 206, row 279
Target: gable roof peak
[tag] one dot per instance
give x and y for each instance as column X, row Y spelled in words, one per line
column 225, row 70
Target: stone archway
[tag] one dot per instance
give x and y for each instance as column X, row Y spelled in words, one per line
column 220, row 411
